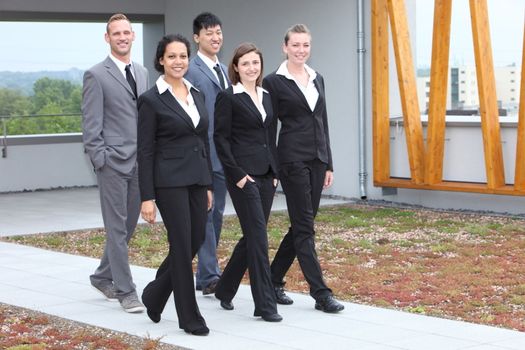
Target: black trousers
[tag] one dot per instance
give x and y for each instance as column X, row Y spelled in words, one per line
column 184, row 212
column 302, row 183
column 252, row 204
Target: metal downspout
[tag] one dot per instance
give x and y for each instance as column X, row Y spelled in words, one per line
column 361, row 98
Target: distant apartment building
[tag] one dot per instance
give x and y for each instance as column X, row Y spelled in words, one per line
column 463, row 88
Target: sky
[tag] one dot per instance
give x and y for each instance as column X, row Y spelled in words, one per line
column 506, row 22
column 30, row 46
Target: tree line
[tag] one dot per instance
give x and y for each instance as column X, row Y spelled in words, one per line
column 51, row 96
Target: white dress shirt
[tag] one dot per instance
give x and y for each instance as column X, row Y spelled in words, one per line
column 210, row 64
column 122, row 66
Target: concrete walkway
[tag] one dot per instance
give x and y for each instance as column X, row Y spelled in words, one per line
column 57, row 284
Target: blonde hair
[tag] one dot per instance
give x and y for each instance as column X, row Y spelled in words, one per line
column 296, row 28
column 116, row 17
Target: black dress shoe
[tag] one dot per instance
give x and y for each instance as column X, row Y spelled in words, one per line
column 210, row 288
column 281, row 297
column 272, row 318
column 153, row 315
column 227, row 305
column 199, row 331
column 328, row 304
column 269, row 318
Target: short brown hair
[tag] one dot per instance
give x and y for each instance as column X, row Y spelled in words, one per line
column 116, row 17
column 240, row 51
column 296, row 28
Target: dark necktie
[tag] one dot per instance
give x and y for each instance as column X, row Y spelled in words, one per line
column 131, row 81
column 218, row 70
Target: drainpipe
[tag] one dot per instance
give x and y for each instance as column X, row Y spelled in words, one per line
column 361, row 97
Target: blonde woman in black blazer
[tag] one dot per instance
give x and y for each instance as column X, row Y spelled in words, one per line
column 245, row 140
column 305, row 163
column 175, row 174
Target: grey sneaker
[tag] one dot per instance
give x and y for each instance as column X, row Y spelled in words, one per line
column 132, row 304
column 108, row 291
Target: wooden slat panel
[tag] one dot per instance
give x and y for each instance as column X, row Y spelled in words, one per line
column 438, row 91
column 519, row 177
column 380, row 102
column 407, row 88
column 487, row 94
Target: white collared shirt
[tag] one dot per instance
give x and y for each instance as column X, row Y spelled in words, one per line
column 122, row 66
column 310, row 91
column 239, row 89
column 210, row 64
column 188, row 105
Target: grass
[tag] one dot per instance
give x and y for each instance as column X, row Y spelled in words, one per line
column 447, row 264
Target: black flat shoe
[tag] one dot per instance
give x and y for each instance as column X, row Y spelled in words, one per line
column 153, row 315
column 227, row 305
column 328, row 304
column 281, row 297
column 199, row 331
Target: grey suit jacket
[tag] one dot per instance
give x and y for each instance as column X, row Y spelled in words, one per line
column 200, row 76
column 109, row 115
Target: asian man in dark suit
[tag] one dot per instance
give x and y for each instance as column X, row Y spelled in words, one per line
column 209, row 76
column 109, row 125
column 245, row 140
column 175, row 175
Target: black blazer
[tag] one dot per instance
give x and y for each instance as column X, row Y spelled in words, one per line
column 304, row 134
column 171, row 151
column 245, row 144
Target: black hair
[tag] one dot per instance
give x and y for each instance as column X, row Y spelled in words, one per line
column 161, row 48
column 205, row 20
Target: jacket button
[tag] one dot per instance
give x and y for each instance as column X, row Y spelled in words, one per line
column 264, row 145
column 195, row 149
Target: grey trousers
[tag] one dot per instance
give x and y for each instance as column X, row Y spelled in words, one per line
column 120, row 203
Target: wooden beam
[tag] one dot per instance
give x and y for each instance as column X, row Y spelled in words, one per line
column 451, row 186
column 380, row 91
column 407, row 88
column 519, row 176
column 438, row 92
column 487, row 94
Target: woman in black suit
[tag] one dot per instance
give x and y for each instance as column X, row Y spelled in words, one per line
column 245, row 142
column 305, row 163
column 175, row 174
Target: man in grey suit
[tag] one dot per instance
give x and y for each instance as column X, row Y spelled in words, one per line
column 109, row 123
column 208, row 75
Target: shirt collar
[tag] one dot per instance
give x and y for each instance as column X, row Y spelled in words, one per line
column 283, row 70
column 208, row 61
column 120, row 65
column 239, row 89
column 162, row 85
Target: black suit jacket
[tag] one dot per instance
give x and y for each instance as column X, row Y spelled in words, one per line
column 245, row 144
column 171, row 151
column 304, row 133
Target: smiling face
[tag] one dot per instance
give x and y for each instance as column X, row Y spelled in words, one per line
column 175, row 61
column 297, row 49
column 209, row 41
column 249, row 68
column 120, row 37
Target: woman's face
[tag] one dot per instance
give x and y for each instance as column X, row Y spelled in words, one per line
column 249, row 67
column 298, row 48
column 175, row 60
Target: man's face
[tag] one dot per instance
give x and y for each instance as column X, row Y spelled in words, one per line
column 120, row 37
column 209, row 41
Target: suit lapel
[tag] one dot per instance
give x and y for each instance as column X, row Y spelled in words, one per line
column 247, row 101
column 140, row 78
column 116, row 74
column 201, row 107
column 267, row 104
column 167, row 98
column 293, row 86
column 320, row 89
column 206, row 71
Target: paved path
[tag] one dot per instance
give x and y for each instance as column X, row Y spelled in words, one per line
column 57, row 284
